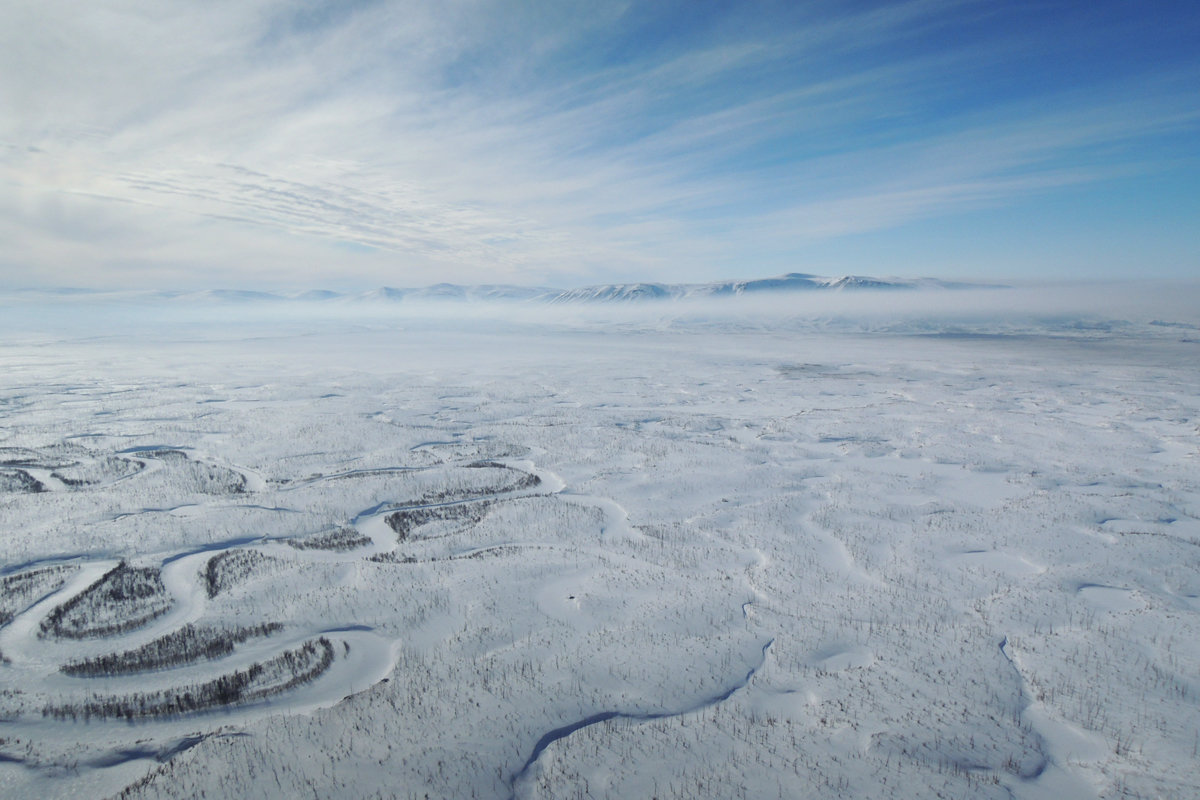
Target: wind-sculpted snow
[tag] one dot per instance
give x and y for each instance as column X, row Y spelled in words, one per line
column 388, row 560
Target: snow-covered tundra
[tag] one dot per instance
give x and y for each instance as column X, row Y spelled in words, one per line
column 664, row 552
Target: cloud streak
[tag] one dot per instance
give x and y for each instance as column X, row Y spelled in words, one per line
column 356, row 144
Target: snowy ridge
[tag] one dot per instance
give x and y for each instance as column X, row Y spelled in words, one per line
column 791, row 282
column 457, row 293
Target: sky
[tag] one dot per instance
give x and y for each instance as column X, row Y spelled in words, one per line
column 300, row 143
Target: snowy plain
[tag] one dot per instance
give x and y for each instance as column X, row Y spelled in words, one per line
column 864, row 545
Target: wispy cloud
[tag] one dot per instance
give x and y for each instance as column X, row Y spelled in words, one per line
column 381, row 142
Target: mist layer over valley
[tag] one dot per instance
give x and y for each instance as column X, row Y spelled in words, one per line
column 861, row 543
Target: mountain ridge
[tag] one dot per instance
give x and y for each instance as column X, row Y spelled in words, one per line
column 634, row 292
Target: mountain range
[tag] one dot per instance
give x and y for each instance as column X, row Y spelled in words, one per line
column 602, row 293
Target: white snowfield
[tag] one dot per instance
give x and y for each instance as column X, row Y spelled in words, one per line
column 696, row 555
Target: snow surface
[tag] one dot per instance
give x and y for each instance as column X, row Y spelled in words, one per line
column 688, row 556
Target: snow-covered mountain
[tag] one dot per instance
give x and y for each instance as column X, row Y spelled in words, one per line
column 448, row 292
column 456, row 293
column 645, row 291
column 791, row 282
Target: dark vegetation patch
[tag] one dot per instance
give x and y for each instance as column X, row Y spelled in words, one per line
column 199, row 476
column 52, row 457
column 498, row 550
column 99, row 470
column 187, row 645
column 524, row 480
column 406, row 521
column 19, row 457
column 275, row 676
column 164, row 453
column 392, row 557
column 382, row 472
column 231, row 567
column 124, row 598
column 23, row 589
column 484, row 552
column 476, row 450
column 338, row 541
column 18, row 480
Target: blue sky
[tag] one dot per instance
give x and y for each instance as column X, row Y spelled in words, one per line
column 273, row 143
